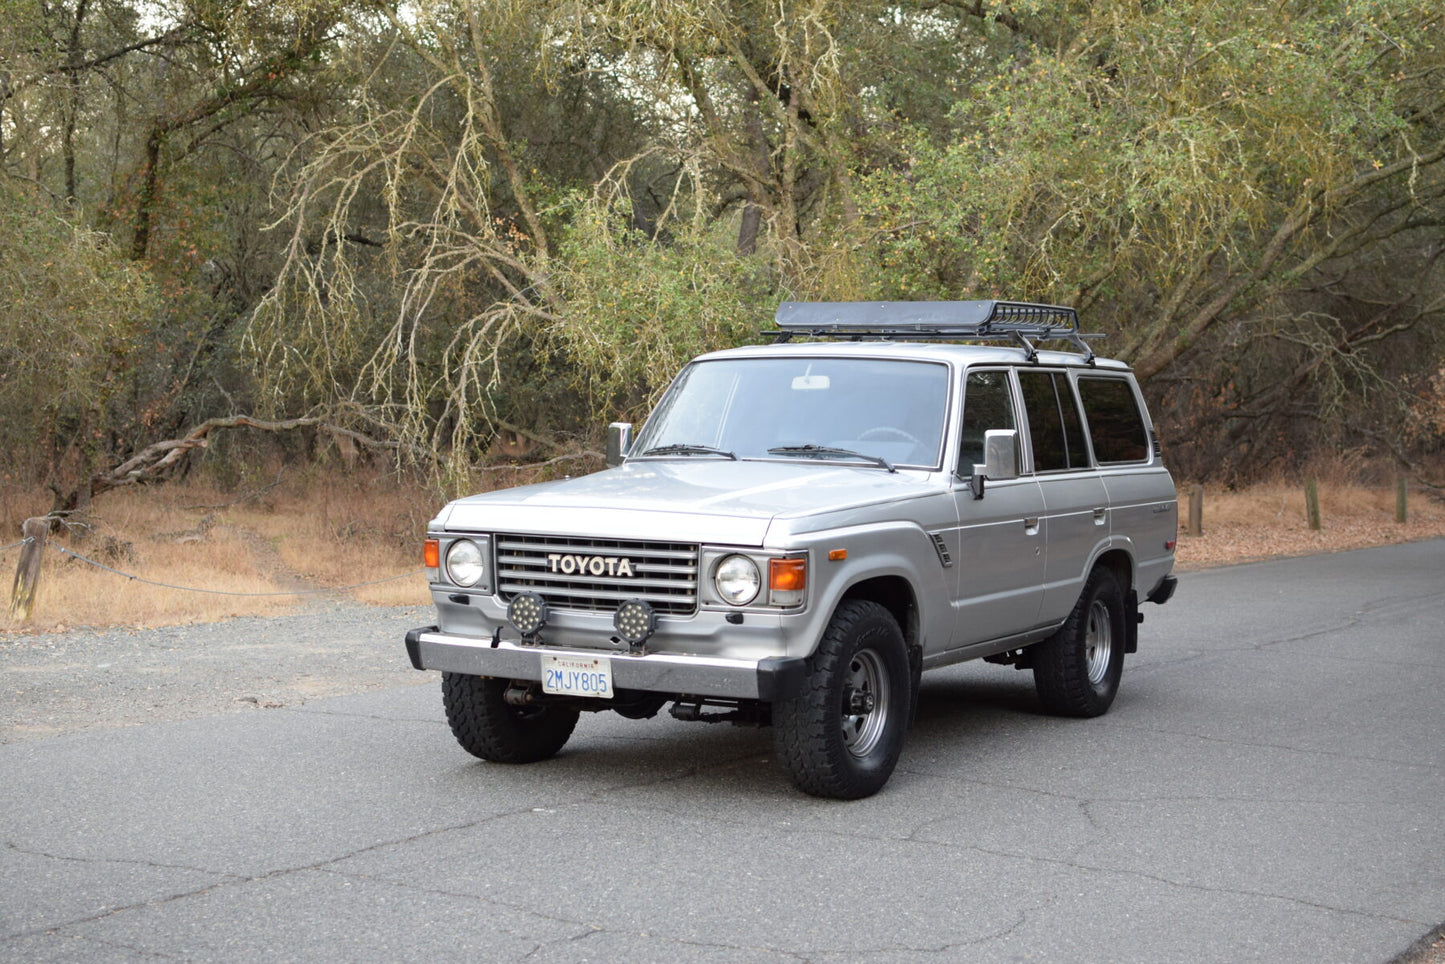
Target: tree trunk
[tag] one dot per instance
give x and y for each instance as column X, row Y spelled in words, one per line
column 74, row 56
column 748, row 230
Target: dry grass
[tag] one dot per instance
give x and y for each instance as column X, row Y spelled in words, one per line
column 1268, row 520
column 319, row 529
column 314, row 530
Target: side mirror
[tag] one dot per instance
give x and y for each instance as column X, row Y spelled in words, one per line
column 619, row 442
column 1000, row 459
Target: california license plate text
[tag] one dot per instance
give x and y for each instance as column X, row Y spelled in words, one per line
column 563, row 676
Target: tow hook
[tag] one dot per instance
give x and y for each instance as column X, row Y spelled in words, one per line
column 520, row 694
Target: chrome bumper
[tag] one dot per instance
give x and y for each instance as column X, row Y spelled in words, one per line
column 772, row 678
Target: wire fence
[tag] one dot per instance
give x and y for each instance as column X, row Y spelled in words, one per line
column 226, row 592
column 15, row 545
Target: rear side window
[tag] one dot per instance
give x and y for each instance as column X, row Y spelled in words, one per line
column 1116, row 426
column 1054, row 425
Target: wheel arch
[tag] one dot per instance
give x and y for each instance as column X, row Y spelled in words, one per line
column 1119, row 562
column 895, row 594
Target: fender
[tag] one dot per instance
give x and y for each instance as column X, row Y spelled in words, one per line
column 848, row 558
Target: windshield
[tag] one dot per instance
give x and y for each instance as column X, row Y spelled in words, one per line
column 884, row 411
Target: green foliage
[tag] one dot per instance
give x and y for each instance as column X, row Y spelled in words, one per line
column 635, row 311
column 1152, row 157
column 72, row 327
column 449, row 219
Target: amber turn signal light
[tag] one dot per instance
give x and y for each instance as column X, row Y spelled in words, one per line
column 431, row 554
column 787, row 575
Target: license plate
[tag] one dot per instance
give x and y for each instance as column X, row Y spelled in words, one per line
column 571, row 676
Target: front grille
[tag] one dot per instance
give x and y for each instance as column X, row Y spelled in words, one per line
column 588, row 574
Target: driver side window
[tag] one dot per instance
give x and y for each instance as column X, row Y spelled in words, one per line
column 987, row 404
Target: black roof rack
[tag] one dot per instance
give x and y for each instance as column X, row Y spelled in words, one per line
column 1021, row 322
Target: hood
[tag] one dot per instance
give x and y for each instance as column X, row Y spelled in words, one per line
column 693, row 500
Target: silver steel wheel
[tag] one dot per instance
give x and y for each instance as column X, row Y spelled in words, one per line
column 865, row 702
column 1099, row 641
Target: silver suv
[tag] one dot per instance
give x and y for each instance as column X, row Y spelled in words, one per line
column 802, row 528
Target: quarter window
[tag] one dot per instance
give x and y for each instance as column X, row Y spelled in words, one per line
column 1116, row 426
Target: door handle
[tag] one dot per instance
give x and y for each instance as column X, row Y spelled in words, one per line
column 1031, row 526
column 1099, row 516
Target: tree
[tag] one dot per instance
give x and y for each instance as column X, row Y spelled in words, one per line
column 447, row 219
column 1209, row 182
column 72, row 317
column 161, row 128
column 504, row 263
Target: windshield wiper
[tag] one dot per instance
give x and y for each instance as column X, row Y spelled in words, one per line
column 826, row 450
column 685, row 448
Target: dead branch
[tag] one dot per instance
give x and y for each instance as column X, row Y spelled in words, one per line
column 571, row 457
column 159, row 460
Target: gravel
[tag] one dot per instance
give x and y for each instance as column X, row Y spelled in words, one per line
column 86, row 679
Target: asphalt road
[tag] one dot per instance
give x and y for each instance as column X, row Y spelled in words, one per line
column 1270, row 785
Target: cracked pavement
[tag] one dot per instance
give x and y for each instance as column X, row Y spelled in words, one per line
column 1270, row 785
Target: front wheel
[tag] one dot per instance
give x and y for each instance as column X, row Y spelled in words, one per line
column 841, row 736
column 489, row 727
column 1077, row 670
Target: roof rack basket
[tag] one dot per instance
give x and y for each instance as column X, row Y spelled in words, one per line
column 1021, row 322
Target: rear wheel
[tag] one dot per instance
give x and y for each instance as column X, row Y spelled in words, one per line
column 842, row 735
column 489, row 727
column 1077, row 670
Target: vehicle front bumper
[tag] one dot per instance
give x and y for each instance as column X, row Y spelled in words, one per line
column 768, row 679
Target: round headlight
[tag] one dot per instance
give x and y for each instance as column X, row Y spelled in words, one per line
column 464, row 563
column 737, row 580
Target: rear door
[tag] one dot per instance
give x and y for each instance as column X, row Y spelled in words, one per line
column 1076, row 504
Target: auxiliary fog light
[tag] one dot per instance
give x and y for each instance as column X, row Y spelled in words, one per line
column 527, row 612
column 635, row 621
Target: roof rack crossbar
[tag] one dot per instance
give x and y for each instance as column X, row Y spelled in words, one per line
column 1019, row 321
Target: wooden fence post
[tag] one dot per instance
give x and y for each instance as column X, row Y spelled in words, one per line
column 1312, row 503
column 1402, row 495
column 1196, row 511
column 27, row 572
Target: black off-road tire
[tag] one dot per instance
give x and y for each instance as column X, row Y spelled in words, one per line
column 826, row 741
column 489, row 727
column 1077, row 670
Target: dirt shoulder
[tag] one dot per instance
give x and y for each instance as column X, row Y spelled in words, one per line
column 1430, row 949
column 1269, row 522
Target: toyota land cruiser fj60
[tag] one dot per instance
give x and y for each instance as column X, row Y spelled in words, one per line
column 801, row 529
